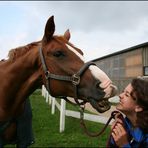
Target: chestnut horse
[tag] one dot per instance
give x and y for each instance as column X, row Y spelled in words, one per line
column 57, row 64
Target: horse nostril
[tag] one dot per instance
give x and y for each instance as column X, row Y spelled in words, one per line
column 115, row 90
column 98, row 85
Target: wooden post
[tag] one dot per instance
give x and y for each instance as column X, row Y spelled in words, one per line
column 49, row 99
column 53, row 106
column 62, row 115
column 47, row 96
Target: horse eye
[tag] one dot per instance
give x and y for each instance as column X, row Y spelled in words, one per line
column 58, row 54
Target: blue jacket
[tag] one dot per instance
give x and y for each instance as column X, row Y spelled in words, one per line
column 137, row 137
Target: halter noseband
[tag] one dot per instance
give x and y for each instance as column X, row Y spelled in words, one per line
column 75, row 78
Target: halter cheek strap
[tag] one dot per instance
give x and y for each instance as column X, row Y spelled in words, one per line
column 44, row 68
column 74, row 79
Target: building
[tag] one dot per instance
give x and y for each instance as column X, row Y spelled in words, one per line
column 126, row 64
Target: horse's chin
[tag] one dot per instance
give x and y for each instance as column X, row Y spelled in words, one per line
column 101, row 106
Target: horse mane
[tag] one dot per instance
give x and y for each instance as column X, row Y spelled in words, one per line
column 20, row 51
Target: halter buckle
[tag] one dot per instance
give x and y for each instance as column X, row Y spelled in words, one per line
column 47, row 75
column 75, row 79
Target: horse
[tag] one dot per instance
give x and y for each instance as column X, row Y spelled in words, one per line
column 54, row 62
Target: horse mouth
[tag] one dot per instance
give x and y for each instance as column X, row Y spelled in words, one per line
column 101, row 106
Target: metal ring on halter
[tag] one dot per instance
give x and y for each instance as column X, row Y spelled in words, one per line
column 75, row 79
column 47, row 75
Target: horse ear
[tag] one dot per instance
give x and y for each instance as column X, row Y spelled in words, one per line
column 67, row 35
column 49, row 29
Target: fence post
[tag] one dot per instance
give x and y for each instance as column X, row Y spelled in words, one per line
column 47, row 96
column 53, row 106
column 49, row 99
column 43, row 91
column 62, row 115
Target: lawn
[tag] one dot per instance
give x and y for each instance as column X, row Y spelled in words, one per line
column 46, row 128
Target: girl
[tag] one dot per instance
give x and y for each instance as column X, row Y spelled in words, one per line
column 132, row 131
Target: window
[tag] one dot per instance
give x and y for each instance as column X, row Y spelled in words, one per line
column 145, row 72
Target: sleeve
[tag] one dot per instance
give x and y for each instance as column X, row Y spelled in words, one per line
column 111, row 143
column 145, row 143
column 126, row 146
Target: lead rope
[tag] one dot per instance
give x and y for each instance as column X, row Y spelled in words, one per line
column 117, row 115
column 114, row 115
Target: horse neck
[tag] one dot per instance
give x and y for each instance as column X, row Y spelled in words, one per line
column 19, row 80
column 28, row 69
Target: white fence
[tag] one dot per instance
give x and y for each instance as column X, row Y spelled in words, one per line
column 64, row 112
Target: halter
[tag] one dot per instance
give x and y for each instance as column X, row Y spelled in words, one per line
column 74, row 79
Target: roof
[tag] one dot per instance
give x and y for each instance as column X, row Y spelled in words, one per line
column 122, row 51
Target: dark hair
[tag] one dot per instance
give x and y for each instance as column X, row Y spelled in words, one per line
column 140, row 93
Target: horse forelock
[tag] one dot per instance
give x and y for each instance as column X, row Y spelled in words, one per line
column 20, row 51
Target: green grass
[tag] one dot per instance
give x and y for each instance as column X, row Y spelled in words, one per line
column 46, row 128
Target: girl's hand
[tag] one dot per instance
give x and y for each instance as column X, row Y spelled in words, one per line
column 119, row 133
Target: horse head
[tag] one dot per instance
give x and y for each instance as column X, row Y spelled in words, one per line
column 65, row 72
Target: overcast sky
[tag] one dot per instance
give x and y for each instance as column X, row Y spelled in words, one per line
column 97, row 27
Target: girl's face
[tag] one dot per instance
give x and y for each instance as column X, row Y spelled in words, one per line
column 127, row 104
